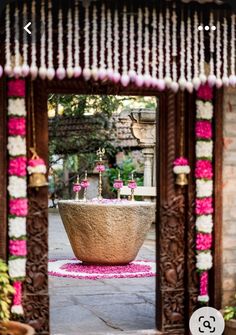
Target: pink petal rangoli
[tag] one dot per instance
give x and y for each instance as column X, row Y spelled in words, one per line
column 76, row 269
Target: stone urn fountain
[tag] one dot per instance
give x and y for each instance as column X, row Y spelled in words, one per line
column 106, row 231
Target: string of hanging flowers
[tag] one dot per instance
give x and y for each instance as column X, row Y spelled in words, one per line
column 17, row 189
column 204, row 187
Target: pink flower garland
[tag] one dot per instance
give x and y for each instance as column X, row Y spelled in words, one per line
column 204, row 206
column 203, row 129
column 18, row 207
column 181, row 161
column 17, row 166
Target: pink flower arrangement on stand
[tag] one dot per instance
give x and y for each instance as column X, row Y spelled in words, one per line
column 204, row 207
column 18, row 203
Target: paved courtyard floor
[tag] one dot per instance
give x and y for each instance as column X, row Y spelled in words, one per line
column 108, row 306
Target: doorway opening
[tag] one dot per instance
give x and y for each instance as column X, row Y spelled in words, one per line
column 101, row 298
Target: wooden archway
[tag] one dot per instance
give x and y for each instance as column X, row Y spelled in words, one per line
column 176, row 285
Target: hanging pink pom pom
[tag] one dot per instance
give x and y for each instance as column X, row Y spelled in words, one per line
column 211, row 80
column 33, row 71
column 50, row 73
column 8, row 70
column 110, row 73
column 189, row 87
column 116, row 77
column 76, row 187
column 154, row 82
column 102, row 73
column 17, row 71
column 196, row 83
column 232, row 80
column 25, row 70
column 42, row 72
column 139, row 80
column 174, row 86
column 124, row 80
column 161, row 85
column 70, row 72
column 61, row 73
column 86, row 74
column 147, row 79
column 132, row 75
column 225, row 81
column 218, row 83
column 77, row 71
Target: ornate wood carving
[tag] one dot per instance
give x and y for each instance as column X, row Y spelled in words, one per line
column 36, row 300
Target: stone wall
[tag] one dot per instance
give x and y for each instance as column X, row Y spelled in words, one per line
column 229, row 196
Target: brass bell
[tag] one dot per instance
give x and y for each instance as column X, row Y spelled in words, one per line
column 37, row 180
column 181, row 179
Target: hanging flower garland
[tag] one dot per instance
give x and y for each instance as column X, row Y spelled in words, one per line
column 17, row 188
column 204, row 187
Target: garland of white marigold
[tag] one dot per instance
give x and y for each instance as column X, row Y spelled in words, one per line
column 17, row 189
column 204, row 187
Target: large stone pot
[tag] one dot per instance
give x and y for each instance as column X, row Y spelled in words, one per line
column 106, row 232
column 15, row 328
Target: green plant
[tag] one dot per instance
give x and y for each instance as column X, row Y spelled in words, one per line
column 126, row 169
column 6, row 290
column 229, row 313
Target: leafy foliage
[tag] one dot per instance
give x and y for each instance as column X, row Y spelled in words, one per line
column 6, row 290
column 126, row 169
column 229, row 313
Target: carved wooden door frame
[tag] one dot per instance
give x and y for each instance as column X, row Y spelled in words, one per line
column 176, row 285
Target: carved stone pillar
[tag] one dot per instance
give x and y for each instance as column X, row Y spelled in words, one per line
column 144, row 130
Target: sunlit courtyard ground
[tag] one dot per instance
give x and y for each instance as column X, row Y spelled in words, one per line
column 81, row 307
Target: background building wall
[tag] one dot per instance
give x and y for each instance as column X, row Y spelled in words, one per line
column 229, row 196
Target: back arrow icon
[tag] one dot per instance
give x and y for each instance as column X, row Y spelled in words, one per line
column 26, row 28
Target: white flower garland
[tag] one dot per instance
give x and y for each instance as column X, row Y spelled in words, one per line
column 33, row 66
column 232, row 77
column 124, row 77
column 116, row 75
column 225, row 78
column 202, row 75
column 17, row 67
column 17, row 189
column 139, row 47
column 60, row 72
column 161, row 82
column 204, row 223
column 204, row 110
column 204, row 261
column 181, row 169
column 42, row 69
column 25, row 66
column 174, row 84
column 154, row 47
column 204, row 149
column 204, row 188
column 132, row 73
column 182, row 79
column 8, row 66
column 16, row 145
column 50, row 69
column 77, row 69
column 147, row 76
column 17, row 227
column 69, row 69
column 168, row 79
column 189, row 85
column 86, row 70
column 218, row 55
column 212, row 77
column 109, row 46
column 102, row 69
column 196, row 79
